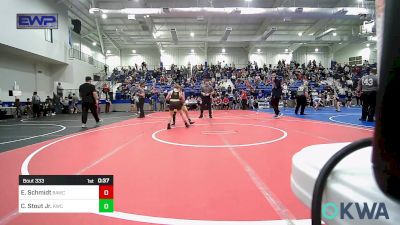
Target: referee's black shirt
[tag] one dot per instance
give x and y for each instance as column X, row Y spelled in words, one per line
column 86, row 92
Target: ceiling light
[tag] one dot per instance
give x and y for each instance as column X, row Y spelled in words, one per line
column 248, row 0
column 299, row 34
column 94, row 10
column 258, row 50
column 147, row 16
column 131, row 17
column 192, row 51
column 133, row 51
column 108, row 51
column 367, row 44
column 360, row 0
column 340, row 43
column 286, row 50
column 223, row 50
column 191, row 34
column 104, row 16
column 94, row 43
column 334, row 34
column 316, row 49
column 287, row 19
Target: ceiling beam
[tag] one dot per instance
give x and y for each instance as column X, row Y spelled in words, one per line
column 293, row 47
column 96, row 19
column 83, row 14
column 228, row 31
column 208, row 25
column 88, row 33
column 263, row 27
column 321, row 24
column 116, row 45
column 278, row 3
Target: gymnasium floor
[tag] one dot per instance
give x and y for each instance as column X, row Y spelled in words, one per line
column 232, row 169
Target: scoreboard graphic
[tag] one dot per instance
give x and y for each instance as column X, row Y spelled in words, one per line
column 66, row 194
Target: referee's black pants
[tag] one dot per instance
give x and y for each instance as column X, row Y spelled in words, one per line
column 36, row 110
column 141, row 106
column 86, row 106
column 205, row 104
column 368, row 105
column 275, row 104
column 301, row 102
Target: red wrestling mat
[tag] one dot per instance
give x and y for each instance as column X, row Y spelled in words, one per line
column 232, row 169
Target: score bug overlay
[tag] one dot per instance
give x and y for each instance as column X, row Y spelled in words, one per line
column 66, row 194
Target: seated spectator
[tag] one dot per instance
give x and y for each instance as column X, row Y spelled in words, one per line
column 225, row 102
column 65, row 105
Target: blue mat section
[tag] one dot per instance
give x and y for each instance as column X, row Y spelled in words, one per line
column 348, row 116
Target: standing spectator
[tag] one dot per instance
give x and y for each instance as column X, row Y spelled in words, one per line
column 60, row 91
column 251, row 102
column 336, row 100
column 106, row 90
column 358, row 97
column 243, row 97
column 90, row 101
column 28, row 107
column 368, row 85
column 276, row 95
column 141, row 96
column 161, row 99
column 154, row 101
column 349, row 95
column 18, row 111
column 36, row 105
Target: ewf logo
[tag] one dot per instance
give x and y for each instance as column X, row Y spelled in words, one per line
column 37, row 21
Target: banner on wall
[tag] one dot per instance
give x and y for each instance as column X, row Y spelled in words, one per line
column 37, row 21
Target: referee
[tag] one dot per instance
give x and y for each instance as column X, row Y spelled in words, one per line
column 206, row 92
column 141, row 95
column 276, row 95
column 301, row 98
column 368, row 86
column 90, row 100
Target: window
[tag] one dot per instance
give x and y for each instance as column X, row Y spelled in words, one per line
column 48, row 35
column 355, row 60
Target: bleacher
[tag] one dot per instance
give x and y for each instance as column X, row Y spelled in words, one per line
column 194, row 90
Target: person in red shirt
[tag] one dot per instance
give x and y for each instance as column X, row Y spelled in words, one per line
column 243, row 97
column 218, row 102
column 225, row 102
